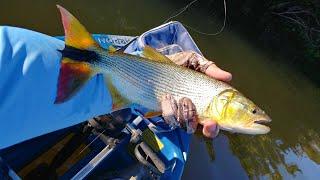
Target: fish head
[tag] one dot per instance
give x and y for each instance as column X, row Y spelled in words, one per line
column 236, row 113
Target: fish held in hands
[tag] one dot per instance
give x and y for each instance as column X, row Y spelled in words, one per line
column 144, row 80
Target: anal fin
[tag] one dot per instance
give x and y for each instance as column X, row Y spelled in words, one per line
column 117, row 100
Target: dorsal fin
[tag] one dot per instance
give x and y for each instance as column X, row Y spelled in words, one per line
column 152, row 54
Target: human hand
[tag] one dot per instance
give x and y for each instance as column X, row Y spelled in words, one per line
column 195, row 61
column 184, row 112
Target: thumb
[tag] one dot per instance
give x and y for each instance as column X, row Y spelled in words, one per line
column 210, row 129
column 217, row 73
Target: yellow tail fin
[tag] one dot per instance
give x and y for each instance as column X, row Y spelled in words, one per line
column 75, row 69
column 76, row 34
column 77, row 56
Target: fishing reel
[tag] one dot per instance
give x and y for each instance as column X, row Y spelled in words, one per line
column 125, row 127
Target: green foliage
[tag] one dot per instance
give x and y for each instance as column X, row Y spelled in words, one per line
column 302, row 19
column 290, row 28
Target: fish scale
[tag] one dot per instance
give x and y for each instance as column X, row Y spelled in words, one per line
column 144, row 81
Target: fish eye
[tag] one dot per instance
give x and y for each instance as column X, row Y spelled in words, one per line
column 254, row 111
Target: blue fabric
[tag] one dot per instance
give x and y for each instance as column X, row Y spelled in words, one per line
column 29, row 67
column 168, row 38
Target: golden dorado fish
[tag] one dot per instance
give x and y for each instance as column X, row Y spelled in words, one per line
column 144, row 80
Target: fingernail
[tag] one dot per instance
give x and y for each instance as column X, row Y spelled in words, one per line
column 213, row 127
column 216, row 130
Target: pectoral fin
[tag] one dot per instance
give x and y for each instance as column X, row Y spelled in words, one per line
column 152, row 114
column 152, row 54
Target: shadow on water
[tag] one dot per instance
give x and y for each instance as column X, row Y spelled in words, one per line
column 290, row 150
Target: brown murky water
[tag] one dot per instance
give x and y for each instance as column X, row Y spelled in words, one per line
column 291, row 150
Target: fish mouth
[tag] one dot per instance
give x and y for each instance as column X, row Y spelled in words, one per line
column 259, row 126
column 262, row 121
column 256, row 127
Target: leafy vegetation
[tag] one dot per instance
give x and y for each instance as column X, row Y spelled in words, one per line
column 286, row 27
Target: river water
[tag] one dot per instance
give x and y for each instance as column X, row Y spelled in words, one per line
column 290, row 150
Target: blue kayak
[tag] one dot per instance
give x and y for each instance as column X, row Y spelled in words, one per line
column 72, row 153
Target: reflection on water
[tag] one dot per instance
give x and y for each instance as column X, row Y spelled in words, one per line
column 260, row 157
column 292, row 149
column 267, row 156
